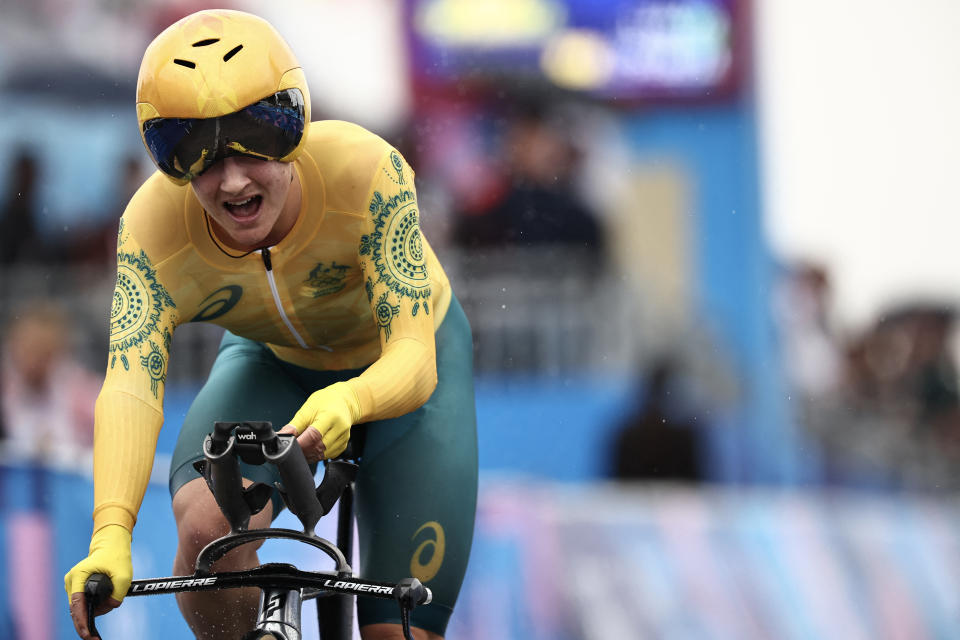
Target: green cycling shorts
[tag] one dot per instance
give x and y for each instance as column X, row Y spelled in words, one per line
column 416, row 490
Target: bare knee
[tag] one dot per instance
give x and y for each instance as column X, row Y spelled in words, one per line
column 200, row 522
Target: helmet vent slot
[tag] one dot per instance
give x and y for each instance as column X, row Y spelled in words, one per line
column 185, row 63
column 204, row 43
column 232, row 52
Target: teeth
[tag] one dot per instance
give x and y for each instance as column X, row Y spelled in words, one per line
column 241, row 203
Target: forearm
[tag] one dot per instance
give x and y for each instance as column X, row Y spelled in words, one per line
column 399, row 382
column 125, row 441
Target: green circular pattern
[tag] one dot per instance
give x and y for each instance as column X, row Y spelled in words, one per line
column 129, row 312
column 156, row 365
column 384, row 314
column 404, row 252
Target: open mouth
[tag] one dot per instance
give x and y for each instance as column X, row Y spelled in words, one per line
column 244, row 209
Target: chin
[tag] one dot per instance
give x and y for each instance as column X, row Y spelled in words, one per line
column 250, row 240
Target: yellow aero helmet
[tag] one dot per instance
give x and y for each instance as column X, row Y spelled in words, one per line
column 220, row 83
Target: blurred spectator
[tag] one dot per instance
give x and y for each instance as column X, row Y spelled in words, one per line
column 97, row 246
column 539, row 204
column 813, row 353
column 904, row 365
column 896, row 417
column 658, row 441
column 47, row 396
column 19, row 239
column 933, row 374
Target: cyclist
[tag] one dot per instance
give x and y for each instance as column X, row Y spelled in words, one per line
column 302, row 240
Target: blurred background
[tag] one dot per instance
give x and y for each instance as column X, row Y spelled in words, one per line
column 707, row 248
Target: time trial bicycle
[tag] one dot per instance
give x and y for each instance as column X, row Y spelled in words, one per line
column 283, row 587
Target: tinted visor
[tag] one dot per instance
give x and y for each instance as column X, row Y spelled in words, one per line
column 186, row 147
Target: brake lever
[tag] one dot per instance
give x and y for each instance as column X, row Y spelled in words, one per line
column 409, row 593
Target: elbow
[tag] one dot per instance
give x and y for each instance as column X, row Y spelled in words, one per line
column 424, row 376
column 429, row 382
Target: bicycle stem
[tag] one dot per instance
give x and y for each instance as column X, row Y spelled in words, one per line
column 280, row 612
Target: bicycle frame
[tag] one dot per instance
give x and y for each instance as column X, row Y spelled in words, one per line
column 335, row 613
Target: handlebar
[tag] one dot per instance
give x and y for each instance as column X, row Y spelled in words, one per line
column 409, row 593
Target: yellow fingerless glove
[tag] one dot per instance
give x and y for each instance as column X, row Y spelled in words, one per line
column 331, row 411
column 110, row 555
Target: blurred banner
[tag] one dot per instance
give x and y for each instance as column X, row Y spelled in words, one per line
column 624, row 50
column 555, row 561
column 589, row 562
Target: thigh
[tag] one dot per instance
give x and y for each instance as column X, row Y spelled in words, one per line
column 246, row 382
column 417, row 489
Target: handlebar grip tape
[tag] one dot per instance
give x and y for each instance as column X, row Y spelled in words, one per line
column 97, row 589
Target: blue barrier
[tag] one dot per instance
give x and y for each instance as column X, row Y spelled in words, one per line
column 558, row 428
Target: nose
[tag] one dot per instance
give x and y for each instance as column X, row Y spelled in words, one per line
column 233, row 176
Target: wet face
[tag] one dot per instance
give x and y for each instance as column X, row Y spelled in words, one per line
column 251, row 203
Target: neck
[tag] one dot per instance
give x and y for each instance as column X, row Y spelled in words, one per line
column 289, row 213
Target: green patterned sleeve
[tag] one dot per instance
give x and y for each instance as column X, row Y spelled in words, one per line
column 399, row 291
column 142, row 319
column 129, row 409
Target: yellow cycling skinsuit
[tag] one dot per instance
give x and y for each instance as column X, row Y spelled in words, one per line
column 354, row 287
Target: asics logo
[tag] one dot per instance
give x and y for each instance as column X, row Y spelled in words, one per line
column 428, row 555
column 218, row 303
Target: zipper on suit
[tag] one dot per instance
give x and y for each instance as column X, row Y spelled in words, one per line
column 268, row 265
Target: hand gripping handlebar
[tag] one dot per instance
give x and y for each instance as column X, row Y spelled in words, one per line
column 97, row 589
